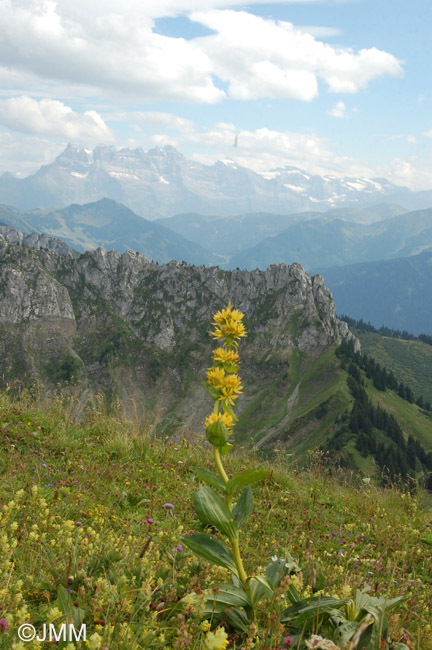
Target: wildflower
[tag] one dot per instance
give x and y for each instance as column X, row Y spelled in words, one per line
column 94, row 641
column 168, row 506
column 320, row 643
column 150, row 520
column 223, row 356
column 231, row 388
column 215, row 376
column 189, row 599
column 225, row 418
column 4, row 625
column 228, row 325
column 179, row 548
column 228, row 314
column 78, row 523
column 216, row 640
column 53, row 614
column 229, row 331
column 288, row 641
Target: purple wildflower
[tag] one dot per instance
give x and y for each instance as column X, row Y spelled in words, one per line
column 150, row 520
column 179, row 548
column 4, row 625
column 168, row 505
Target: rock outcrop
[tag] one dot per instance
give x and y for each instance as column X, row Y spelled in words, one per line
column 132, row 328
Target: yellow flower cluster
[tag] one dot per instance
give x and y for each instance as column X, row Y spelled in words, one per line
column 224, row 384
column 222, row 417
column 228, row 385
column 228, row 325
column 223, row 356
column 217, row 640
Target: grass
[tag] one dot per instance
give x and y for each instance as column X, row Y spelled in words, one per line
column 84, row 509
column 411, row 361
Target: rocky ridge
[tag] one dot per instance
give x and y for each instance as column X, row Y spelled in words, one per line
column 131, row 328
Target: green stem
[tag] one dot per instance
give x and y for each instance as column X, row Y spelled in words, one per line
column 234, row 541
column 220, row 467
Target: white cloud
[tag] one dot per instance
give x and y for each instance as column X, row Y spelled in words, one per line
column 318, row 31
column 258, row 57
column 261, row 149
column 114, row 48
column 24, row 154
column 339, row 110
column 106, row 46
column 52, row 118
column 152, row 118
column 409, row 173
column 428, row 134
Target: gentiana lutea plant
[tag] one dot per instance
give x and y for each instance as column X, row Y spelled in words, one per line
column 225, row 504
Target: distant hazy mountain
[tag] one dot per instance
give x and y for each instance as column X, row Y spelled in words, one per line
column 325, row 242
column 396, row 293
column 114, row 227
column 235, row 233
column 11, row 217
column 162, row 182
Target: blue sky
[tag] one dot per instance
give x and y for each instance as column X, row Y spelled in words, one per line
column 339, row 87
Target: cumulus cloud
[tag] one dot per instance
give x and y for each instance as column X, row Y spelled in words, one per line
column 339, row 110
column 409, row 173
column 52, row 118
column 260, row 149
column 24, row 154
column 105, row 46
column 259, row 57
column 116, row 48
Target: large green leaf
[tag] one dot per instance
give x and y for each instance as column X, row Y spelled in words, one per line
column 345, row 632
column 276, row 571
column 226, row 595
column 235, row 618
column 309, row 609
column 65, row 602
column 210, row 549
column 244, row 506
column 210, row 478
column 260, row 587
column 247, row 477
column 212, row 510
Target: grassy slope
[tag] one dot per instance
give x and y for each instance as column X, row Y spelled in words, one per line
column 324, row 397
column 97, row 525
column 411, row 361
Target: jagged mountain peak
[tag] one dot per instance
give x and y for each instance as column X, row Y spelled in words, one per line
column 162, row 182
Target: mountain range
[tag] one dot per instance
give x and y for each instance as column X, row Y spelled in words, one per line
column 162, row 182
column 110, row 225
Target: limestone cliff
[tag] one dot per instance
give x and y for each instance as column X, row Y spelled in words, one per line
column 128, row 327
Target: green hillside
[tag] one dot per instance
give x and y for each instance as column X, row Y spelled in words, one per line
column 411, row 361
column 319, row 414
column 93, row 507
